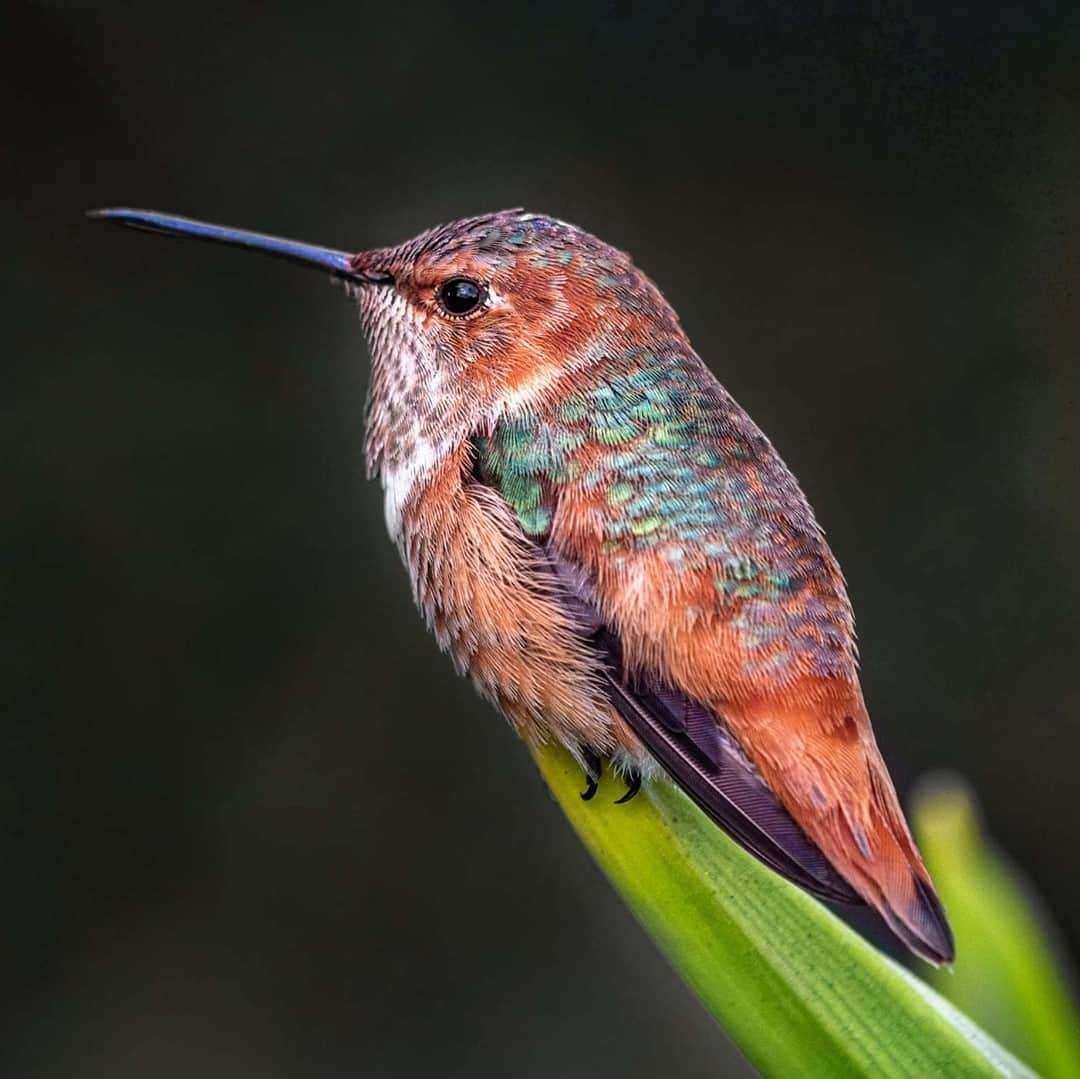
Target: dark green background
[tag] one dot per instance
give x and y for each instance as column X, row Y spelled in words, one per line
column 250, row 823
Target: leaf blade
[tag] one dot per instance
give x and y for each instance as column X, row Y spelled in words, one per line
column 798, row 991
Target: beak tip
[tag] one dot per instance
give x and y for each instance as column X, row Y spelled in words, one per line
column 112, row 213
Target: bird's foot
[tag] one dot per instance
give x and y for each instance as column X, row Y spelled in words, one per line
column 633, row 785
column 593, row 767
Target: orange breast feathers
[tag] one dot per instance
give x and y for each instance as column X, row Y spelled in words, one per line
column 488, row 597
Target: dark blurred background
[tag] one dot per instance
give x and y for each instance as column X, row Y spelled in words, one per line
column 250, row 822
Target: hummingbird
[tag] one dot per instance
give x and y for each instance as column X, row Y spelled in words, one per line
column 611, row 550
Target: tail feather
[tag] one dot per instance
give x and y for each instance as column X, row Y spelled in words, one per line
column 895, row 882
column 910, row 905
column 838, row 789
column 925, row 929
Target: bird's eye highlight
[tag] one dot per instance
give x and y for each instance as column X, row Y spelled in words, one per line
column 459, row 296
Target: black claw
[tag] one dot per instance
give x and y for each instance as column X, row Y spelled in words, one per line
column 633, row 785
column 593, row 768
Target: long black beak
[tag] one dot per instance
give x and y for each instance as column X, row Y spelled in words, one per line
column 339, row 263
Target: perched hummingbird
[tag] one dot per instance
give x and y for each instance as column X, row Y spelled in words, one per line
column 608, row 546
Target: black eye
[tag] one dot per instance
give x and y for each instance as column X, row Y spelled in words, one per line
column 459, row 295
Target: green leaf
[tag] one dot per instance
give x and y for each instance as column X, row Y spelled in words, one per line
column 798, row 991
column 1007, row 976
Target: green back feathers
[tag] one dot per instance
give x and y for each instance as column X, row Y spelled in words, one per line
column 648, row 427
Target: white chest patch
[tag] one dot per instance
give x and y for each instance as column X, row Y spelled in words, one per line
column 399, row 483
